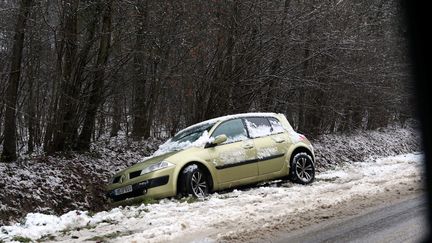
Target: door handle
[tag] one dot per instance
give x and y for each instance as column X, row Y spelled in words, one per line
column 247, row 146
column 279, row 140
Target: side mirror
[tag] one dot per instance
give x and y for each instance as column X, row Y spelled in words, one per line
column 217, row 140
column 220, row 139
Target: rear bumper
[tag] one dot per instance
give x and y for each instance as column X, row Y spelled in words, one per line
column 139, row 189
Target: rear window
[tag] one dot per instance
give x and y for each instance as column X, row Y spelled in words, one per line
column 258, row 126
column 276, row 125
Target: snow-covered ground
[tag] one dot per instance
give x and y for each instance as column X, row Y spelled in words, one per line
column 64, row 182
column 360, row 145
column 71, row 181
column 225, row 216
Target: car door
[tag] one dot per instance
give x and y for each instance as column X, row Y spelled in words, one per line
column 271, row 144
column 281, row 138
column 235, row 158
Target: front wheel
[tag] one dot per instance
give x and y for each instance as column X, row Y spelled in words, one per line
column 194, row 181
column 302, row 169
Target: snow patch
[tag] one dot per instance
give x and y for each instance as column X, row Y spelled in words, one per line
column 237, row 138
column 190, row 168
column 276, row 126
column 266, row 152
column 257, row 131
column 232, row 156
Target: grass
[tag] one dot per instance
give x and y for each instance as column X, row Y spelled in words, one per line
column 21, row 239
column 140, row 210
column 149, row 200
column 104, row 238
column 65, row 232
column 109, row 221
column 189, row 199
column 89, row 226
column 91, row 213
column 146, row 201
column 332, row 179
column 68, row 230
column 47, row 237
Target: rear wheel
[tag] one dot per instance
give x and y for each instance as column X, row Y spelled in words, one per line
column 194, row 181
column 302, row 169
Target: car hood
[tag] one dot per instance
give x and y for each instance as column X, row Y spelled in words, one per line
column 147, row 162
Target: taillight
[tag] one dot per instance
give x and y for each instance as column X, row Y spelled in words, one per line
column 302, row 137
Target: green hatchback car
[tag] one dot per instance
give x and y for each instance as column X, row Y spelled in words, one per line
column 218, row 154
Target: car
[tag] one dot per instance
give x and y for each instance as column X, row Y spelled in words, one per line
column 219, row 154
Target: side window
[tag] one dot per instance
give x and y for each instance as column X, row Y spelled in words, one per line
column 258, row 126
column 276, row 125
column 233, row 129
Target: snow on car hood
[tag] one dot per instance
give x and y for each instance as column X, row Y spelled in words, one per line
column 170, row 146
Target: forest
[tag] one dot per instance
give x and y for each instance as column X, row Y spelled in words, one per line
column 72, row 72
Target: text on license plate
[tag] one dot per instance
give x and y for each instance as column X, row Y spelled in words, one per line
column 123, row 190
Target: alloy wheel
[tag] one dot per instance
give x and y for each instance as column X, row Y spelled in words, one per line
column 199, row 184
column 304, row 169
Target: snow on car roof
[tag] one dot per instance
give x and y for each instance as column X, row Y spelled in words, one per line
column 227, row 117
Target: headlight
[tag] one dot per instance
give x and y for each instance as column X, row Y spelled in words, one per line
column 156, row 166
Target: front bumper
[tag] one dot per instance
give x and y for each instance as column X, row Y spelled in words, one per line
column 139, row 189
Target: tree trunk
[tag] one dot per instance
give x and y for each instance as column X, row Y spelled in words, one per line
column 115, row 125
column 31, row 117
column 9, row 145
column 66, row 123
column 98, row 81
column 140, row 125
column 67, row 57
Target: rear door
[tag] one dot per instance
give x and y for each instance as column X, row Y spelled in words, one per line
column 234, row 159
column 281, row 138
column 270, row 143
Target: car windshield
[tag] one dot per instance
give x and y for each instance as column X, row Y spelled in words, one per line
column 193, row 136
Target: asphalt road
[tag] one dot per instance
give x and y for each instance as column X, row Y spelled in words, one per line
column 403, row 221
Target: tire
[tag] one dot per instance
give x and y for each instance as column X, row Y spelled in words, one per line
column 194, row 181
column 302, row 169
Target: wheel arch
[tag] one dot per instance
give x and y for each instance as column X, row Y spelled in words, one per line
column 201, row 166
column 301, row 149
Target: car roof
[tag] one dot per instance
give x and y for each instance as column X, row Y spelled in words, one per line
column 228, row 117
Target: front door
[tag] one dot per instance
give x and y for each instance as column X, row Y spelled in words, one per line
column 234, row 159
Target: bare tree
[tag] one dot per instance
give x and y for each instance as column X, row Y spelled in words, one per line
column 9, row 144
column 148, row 68
column 96, row 95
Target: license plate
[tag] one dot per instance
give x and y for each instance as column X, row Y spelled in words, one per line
column 123, row 190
